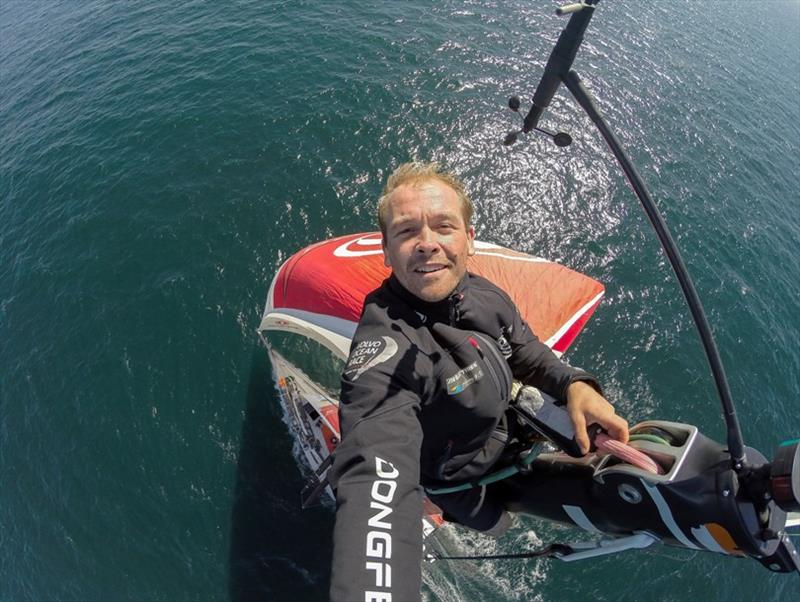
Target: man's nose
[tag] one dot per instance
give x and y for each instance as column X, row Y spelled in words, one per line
column 427, row 242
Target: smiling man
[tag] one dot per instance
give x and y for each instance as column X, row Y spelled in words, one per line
column 426, row 236
column 426, row 390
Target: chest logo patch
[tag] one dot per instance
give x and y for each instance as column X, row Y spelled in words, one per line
column 464, row 378
column 504, row 346
column 367, row 354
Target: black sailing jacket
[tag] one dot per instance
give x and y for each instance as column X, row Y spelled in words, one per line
column 423, row 392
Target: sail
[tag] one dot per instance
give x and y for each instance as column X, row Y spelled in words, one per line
column 319, row 291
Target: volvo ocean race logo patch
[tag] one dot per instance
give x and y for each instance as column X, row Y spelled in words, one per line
column 464, row 378
column 367, row 354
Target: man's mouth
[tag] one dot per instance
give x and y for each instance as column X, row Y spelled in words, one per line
column 429, row 269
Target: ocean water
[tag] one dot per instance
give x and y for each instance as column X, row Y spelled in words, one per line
column 158, row 162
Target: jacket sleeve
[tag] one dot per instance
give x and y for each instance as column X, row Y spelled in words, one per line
column 534, row 363
column 377, row 539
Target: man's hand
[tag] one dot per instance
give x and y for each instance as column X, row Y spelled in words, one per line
column 586, row 406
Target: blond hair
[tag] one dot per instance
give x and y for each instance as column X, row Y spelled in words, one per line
column 415, row 173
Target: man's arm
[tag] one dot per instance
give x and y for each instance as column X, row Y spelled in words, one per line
column 377, row 551
column 534, row 363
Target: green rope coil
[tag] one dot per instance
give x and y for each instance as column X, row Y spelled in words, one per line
column 650, row 438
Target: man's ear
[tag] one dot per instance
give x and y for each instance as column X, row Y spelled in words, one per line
column 386, row 261
column 471, row 241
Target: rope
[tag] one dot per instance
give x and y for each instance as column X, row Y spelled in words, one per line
column 604, row 443
column 626, row 453
column 649, row 437
column 551, row 550
column 504, row 473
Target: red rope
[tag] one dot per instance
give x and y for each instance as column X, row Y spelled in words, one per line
column 626, row 453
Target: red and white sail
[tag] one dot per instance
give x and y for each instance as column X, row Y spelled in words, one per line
column 319, row 292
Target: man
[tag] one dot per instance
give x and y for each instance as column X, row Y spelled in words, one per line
column 426, row 389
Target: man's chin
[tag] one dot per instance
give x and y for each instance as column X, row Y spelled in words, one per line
column 431, row 297
column 433, row 292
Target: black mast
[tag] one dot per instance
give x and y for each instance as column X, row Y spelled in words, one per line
column 559, row 69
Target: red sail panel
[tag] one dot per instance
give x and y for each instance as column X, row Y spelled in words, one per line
column 321, row 280
column 548, row 295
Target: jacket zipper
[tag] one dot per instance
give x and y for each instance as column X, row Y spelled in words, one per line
column 455, row 316
column 443, row 458
column 455, row 313
column 502, row 386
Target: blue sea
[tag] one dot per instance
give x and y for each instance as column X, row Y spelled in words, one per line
column 160, row 160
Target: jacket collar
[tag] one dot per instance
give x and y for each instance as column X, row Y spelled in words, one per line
column 436, row 311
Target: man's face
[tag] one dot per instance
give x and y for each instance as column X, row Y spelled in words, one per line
column 427, row 241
